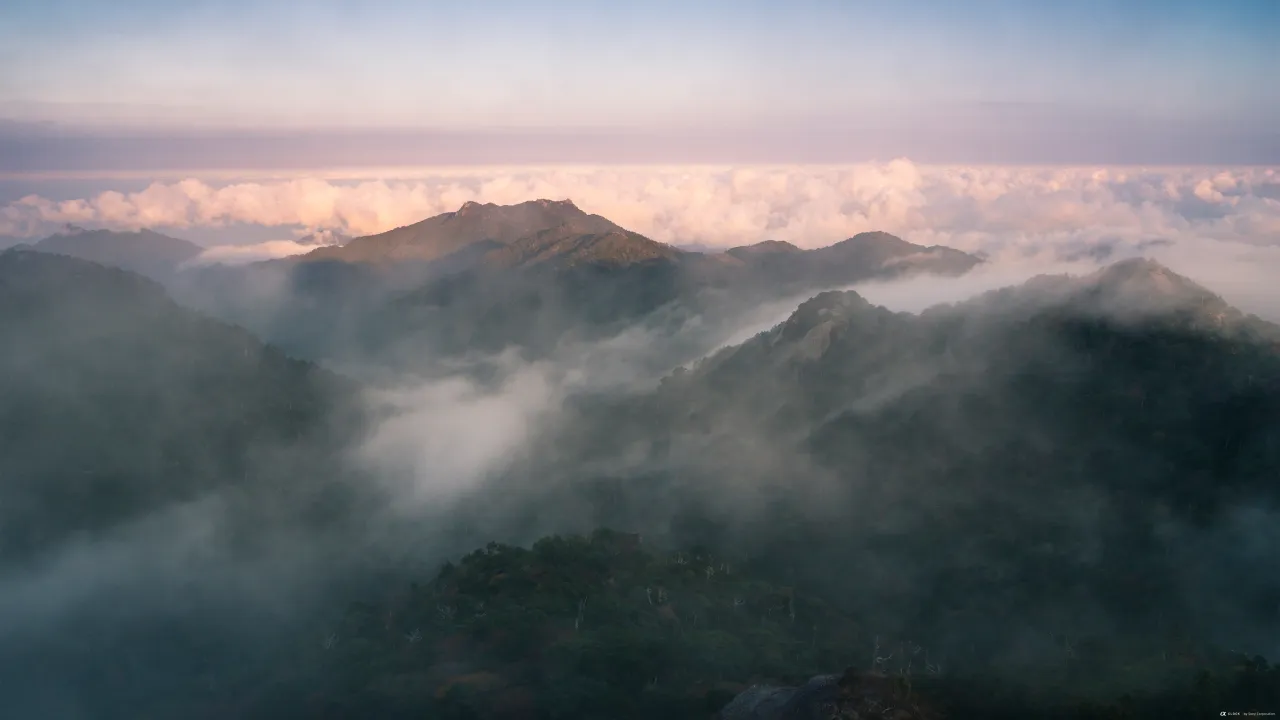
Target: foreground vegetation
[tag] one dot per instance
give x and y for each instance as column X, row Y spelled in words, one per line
column 606, row 627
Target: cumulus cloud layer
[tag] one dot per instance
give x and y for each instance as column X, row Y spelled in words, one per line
column 722, row 206
column 1006, row 212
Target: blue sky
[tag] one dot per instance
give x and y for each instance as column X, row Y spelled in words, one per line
column 1196, row 68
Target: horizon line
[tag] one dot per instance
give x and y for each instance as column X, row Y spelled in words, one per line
column 425, row 171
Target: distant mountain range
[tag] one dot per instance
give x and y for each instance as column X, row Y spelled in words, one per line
column 487, row 277
column 539, row 232
column 575, row 275
column 145, row 252
column 106, row 344
column 559, row 233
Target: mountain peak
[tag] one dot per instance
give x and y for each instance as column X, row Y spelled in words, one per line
column 875, row 236
column 471, row 206
column 475, row 225
column 765, row 247
column 870, row 244
column 874, row 239
column 825, row 308
column 1132, row 290
column 566, row 203
column 1139, row 270
column 1143, row 281
column 831, row 302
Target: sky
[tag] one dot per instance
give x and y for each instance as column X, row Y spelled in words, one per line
column 153, row 85
column 1017, row 129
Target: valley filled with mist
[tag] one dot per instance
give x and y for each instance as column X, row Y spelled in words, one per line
column 521, row 461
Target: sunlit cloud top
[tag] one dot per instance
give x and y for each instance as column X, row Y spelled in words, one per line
column 979, row 208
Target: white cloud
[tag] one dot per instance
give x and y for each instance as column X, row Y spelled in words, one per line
column 240, row 254
column 442, row 437
column 1004, row 211
column 267, row 250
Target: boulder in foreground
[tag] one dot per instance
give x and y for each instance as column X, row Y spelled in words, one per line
column 852, row 696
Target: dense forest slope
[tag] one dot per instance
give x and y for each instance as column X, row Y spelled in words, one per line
column 115, row 402
column 1042, row 474
column 609, row 627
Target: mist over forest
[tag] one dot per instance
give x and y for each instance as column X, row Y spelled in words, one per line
column 518, row 461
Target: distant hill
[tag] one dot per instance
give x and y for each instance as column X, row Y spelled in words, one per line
column 115, row 402
column 489, row 226
column 766, row 247
column 1131, row 291
column 145, row 252
column 861, row 257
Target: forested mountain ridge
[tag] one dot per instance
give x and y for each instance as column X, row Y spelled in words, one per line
column 115, row 401
column 1045, row 467
column 814, row 347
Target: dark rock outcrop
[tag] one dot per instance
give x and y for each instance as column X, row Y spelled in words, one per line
column 855, row 695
